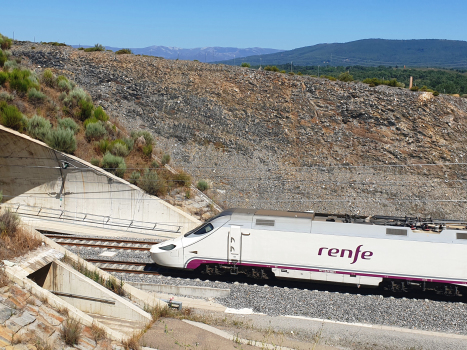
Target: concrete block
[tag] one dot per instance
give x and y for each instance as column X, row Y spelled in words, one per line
column 5, row 313
column 16, row 322
column 201, row 292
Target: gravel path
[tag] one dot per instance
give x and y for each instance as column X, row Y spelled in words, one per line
column 422, row 314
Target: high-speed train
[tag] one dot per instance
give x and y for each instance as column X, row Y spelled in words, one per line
column 397, row 253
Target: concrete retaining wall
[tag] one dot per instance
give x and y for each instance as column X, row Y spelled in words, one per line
column 199, row 292
column 33, row 175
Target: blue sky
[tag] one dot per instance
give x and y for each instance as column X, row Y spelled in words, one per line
column 274, row 24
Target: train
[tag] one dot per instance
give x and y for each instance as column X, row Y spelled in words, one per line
column 394, row 253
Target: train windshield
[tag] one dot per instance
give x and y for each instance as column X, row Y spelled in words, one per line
column 200, row 230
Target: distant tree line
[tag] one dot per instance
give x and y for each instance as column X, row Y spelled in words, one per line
column 443, row 80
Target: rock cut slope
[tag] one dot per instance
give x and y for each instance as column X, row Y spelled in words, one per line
column 264, row 138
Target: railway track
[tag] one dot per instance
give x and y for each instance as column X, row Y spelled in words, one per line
column 125, row 266
column 104, row 243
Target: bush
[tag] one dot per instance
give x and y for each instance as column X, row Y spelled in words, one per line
column 95, row 162
column 119, row 149
column 299, row 73
column 245, row 64
column 165, row 159
column 283, row 71
column 123, row 51
column 329, row 77
column 90, row 121
column 5, row 42
column 155, row 164
column 12, row 118
column 346, row 77
column 3, row 58
column 114, row 164
column 182, row 179
column 75, row 96
column 3, row 77
column 10, row 65
column 99, row 114
column 147, row 136
column 9, row 223
column 129, row 143
column 152, row 184
column 22, row 80
column 147, row 151
column 48, row 78
column 95, row 131
column 71, row 332
column 291, row 73
column 62, row 140
column 134, row 177
column 202, row 185
column 39, row 127
column 97, row 47
column 435, row 93
column 5, row 96
column 414, row 88
column 85, row 110
column 68, row 123
column 35, row 96
column 271, row 68
column 104, row 146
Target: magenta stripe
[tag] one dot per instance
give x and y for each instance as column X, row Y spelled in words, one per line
column 193, row 264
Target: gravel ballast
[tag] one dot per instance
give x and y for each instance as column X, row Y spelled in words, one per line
column 421, row 314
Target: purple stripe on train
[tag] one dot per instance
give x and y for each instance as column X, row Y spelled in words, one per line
column 195, row 263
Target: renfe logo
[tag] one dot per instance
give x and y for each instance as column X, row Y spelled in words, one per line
column 333, row 252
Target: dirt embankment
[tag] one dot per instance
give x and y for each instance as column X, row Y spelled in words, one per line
column 263, row 138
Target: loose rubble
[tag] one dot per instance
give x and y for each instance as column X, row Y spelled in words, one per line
column 251, row 133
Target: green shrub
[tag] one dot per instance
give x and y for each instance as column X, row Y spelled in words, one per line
column 85, row 110
column 129, row 143
column 152, row 184
column 147, row 136
column 329, row 77
column 291, row 73
column 414, row 88
column 80, row 48
column 104, row 146
column 202, row 185
column 75, row 96
column 346, row 77
column 3, row 58
column 123, row 51
column 95, row 131
column 165, row 159
column 5, row 42
column 114, row 164
column 134, row 177
column 182, row 179
column 435, row 93
column 12, row 118
column 271, row 68
column 147, row 151
column 155, row 164
column 5, row 96
column 62, row 140
column 19, row 80
column 245, row 64
column 35, row 96
column 283, row 71
column 39, row 127
column 99, row 114
column 299, row 73
column 10, row 65
column 119, row 149
column 48, row 78
column 96, row 162
column 3, row 77
column 90, row 121
column 97, row 47
column 64, row 85
column 68, row 123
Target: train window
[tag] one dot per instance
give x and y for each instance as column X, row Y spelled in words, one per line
column 264, row 222
column 200, row 230
column 396, row 232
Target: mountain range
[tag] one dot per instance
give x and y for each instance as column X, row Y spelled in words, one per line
column 373, row 53
column 202, row 54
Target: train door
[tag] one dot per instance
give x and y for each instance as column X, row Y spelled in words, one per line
column 234, row 245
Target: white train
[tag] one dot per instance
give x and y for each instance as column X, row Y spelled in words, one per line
column 396, row 253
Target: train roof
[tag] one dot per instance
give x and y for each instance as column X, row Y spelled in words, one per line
column 374, row 220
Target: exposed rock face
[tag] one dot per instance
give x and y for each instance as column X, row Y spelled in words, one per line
column 264, row 137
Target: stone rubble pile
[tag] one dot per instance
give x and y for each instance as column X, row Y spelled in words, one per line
column 266, row 139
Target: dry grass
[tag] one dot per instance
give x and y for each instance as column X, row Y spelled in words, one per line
column 71, row 331
column 98, row 333
column 132, row 343
column 41, row 344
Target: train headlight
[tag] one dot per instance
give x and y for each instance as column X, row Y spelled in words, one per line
column 168, row 247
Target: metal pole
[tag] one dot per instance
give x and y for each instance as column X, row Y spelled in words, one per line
column 291, row 69
column 318, row 71
column 234, row 60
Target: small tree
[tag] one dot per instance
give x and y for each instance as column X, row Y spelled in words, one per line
column 123, row 52
column 346, row 77
column 245, row 64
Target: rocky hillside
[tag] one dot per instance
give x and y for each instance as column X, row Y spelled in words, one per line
column 270, row 140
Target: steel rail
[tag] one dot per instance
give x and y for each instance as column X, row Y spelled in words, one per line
column 90, row 238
